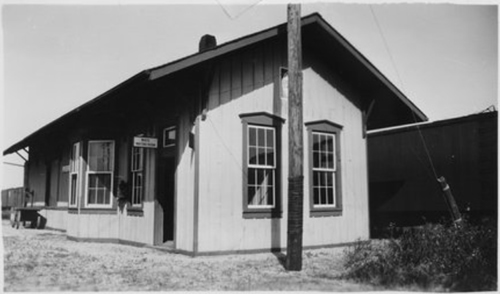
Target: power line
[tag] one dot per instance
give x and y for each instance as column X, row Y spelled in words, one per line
column 239, row 14
column 387, row 48
column 402, row 86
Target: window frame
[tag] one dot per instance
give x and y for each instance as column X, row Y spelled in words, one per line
column 90, row 172
column 165, row 132
column 75, row 165
column 272, row 167
column 137, row 171
column 328, row 128
column 262, row 120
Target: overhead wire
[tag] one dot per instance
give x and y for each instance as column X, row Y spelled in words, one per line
column 240, row 13
column 386, row 45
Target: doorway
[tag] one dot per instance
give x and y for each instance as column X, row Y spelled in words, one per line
column 167, row 165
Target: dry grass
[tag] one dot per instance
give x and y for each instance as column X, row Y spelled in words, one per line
column 40, row 260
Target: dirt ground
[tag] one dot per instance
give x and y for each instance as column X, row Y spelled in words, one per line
column 43, row 260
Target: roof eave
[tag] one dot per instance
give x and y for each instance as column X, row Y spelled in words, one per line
column 26, row 141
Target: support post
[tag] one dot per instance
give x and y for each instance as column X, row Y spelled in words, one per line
column 295, row 142
column 450, row 201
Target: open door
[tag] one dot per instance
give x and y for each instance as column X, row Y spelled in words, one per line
column 165, row 193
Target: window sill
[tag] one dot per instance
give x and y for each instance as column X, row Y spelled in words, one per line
column 261, row 213
column 325, row 212
column 93, row 210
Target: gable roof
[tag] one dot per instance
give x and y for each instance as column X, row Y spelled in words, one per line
column 319, row 28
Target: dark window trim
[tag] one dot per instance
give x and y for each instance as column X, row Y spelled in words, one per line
column 332, row 128
column 268, row 120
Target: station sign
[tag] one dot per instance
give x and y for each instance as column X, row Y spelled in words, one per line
column 145, row 142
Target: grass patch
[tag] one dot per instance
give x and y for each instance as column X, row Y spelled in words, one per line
column 437, row 257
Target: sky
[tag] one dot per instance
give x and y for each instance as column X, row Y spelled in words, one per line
column 444, row 57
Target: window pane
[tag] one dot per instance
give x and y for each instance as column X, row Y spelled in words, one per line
column 322, row 142
column 330, row 195
column 316, row 159
column 330, row 164
column 251, row 195
column 270, row 138
column 261, row 158
column 252, row 155
column 261, row 137
column 100, row 196
column 316, row 196
column 252, row 140
column 107, row 198
column 329, row 179
column 252, row 178
column 73, row 188
column 270, row 157
column 99, row 190
column 92, row 196
column 260, row 176
column 100, row 156
column 169, row 136
column 330, row 143
column 316, row 179
column 323, row 195
column 324, row 160
column 270, row 195
column 270, row 178
column 137, row 158
column 315, row 142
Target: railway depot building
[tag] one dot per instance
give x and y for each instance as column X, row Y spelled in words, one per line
column 192, row 155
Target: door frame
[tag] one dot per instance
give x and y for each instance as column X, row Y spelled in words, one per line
column 174, row 152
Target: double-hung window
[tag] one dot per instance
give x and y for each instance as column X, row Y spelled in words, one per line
column 100, row 173
column 324, row 174
column 74, row 175
column 137, row 171
column 261, row 165
column 323, row 169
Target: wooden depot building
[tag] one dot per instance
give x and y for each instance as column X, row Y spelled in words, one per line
column 193, row 154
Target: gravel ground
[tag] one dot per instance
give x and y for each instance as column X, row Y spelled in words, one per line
column 42, row 260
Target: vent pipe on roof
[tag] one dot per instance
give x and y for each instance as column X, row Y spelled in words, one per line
column 207, row 42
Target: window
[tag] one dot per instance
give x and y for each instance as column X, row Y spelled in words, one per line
column 261, row 171
column 100, row 173
column 261, row 167
column 324, row 175
column 169, row 136
column 137, row 171
column 323, row 169
column 74, row 171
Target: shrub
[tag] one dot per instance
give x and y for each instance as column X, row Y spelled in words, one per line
column 460, row 258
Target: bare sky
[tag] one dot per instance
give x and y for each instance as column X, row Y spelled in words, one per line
column 444, row 57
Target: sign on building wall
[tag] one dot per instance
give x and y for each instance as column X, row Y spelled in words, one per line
column 145, row 142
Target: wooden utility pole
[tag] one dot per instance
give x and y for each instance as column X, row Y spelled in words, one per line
column 295, row 141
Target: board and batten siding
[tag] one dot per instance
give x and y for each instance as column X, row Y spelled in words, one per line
column 184, row 198
column 249, row 82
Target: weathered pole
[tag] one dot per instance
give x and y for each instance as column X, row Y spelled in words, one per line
column 295, row 149
column 450, row 201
